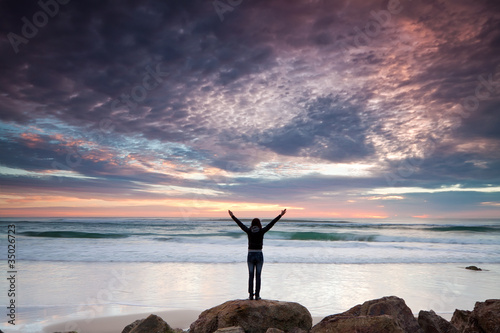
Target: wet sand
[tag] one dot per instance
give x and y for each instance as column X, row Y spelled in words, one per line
column 115, row 324
column 105, row 297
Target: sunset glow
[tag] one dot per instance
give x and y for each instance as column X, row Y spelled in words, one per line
column 335, row 109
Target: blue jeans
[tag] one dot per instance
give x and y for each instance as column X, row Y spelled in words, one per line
column 255, row 260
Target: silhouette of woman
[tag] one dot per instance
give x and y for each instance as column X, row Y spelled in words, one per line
column 255, row 259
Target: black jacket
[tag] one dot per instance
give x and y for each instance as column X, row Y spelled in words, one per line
column 255, row 235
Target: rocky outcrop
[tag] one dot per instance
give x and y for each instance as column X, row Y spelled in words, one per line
column 129, row 327
column 430, row 322
column 232, row 329
column 473, row 268
column 460, row 319
column 386, row 314
column 485, row 318
column 383, row 315
column 358, row 324
column 274, row 330
column 487, row 315
column 151, row 324
column 254, row 317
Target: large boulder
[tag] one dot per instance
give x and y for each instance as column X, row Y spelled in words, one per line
column 460, row 319
column 274, row 330
column 253, row 316
column 487, row 314
column 358, row 324
column 129, row 327
column 394, row 309
column 151, row 324
column 232, row 329
column 485, row 318
column 430, row 322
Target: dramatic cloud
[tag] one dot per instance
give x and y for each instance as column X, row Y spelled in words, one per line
column 306, row 104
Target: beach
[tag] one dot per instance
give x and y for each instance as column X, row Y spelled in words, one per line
column 115, row 324
column 105, row 297
column 99, row 275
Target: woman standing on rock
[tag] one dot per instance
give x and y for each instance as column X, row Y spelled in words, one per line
column 255, row 258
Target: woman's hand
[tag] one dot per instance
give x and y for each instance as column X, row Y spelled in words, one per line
column 230, row 213
column 283, row 212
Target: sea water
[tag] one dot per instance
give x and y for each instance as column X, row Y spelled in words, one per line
column 102, row 266
column 221, row 241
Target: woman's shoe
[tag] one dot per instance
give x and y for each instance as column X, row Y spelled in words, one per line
column 257, row 297
column 250, row 297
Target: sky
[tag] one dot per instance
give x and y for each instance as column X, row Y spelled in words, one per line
column 346, row 109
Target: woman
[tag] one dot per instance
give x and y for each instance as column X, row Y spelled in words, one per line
column 255, row 259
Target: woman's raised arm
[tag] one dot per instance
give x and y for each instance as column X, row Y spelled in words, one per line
column 276, row 219
column 238, row 222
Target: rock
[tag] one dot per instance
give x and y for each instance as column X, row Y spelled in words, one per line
column 274, row 330
column 151, row 324
column 358, row 324
column 485, row 318
column 253, row 316
column 232, row 329
column 430, row 322
column 295, row 330
column 129, row 327
column 487, row 315
column 460, row 319
column 473, row 268
column 391, row 306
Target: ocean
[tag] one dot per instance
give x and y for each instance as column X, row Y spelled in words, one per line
column 222, row 241
column 91, row 267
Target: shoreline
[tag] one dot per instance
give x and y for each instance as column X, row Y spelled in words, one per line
column 109, row 296
column 115, row 324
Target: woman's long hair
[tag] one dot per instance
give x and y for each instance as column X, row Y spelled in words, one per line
column 256, row 223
